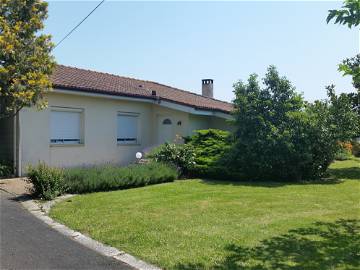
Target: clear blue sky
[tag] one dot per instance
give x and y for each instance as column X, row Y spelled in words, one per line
column 179, row 43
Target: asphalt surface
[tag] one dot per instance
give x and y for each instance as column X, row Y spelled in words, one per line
column 28, row 243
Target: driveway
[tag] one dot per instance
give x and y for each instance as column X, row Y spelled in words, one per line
column 28, row 243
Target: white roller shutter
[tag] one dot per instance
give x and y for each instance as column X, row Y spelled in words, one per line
column 65, row 127
column 127, row 129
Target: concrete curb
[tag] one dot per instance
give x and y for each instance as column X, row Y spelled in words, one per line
column 41, row 210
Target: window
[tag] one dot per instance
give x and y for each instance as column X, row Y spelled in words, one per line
column 65, row 126
column 127, row 128
column 167, row 121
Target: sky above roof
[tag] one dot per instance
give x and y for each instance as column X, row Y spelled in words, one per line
column 180, row 43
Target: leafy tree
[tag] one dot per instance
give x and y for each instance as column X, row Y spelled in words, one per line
column 351, row 66
column 349, row 15
column 281, row 137
column 25, row 60
column 355, row 101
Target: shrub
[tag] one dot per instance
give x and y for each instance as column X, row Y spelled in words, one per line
column 279, row 136
column 344, row 152
column 355, row 148
column 179, row 155
column 211, row 147
column 109, row 177
column 6, row 168
column 48, row 182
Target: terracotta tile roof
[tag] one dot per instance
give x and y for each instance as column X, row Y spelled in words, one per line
column 76, row 79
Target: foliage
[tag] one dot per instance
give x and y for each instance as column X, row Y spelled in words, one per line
column 25, row 61
column 48, row 182
column 201, row 219
column 108, row 177
column 344, row 152
column 280, row 137
column 356, row 148
column 211, row 148
column 349, row 14
column 181, row 156
column 355, row 101
column 6, row 168
column 351, row 66
column 209, row 145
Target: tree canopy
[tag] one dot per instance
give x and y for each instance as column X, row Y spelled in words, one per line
column 280, row 136
column 348, row 15
column 25, row 60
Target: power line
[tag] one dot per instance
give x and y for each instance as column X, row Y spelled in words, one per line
column 72, row 30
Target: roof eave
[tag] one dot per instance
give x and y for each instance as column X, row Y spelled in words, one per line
column 148, row 98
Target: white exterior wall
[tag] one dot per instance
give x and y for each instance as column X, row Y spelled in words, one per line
column 99, row 131
column 198, row 122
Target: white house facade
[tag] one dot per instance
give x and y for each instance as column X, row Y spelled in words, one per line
column 87, row 124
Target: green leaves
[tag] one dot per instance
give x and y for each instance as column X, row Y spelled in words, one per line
column 281, row 137
column 351, row 67
column 349, row 14
column 25, row 60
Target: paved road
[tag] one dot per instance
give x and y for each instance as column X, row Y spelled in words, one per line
column 28, row 243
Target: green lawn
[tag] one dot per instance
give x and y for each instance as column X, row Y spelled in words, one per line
column 197, row 224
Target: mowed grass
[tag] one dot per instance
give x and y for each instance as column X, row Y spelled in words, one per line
column 197, row 224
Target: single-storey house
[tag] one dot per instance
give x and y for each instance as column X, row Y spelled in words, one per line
column 97, row 118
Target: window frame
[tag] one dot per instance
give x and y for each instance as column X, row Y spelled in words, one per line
column 129, row 142
column 81, row 140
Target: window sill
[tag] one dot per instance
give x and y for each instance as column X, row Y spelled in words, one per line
column 128, row 144
column 65, row 145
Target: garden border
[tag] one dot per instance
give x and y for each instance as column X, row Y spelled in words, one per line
column 41, row 211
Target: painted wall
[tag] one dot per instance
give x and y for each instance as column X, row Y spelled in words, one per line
column 99, row 131
column 220, row 123
column 198, row 122
column 7, row 139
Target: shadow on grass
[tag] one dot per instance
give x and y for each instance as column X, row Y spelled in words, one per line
column 346, row 173
column 322, row 246
column 335, row 176
column 272, row 184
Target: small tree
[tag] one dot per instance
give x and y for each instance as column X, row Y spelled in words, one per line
column 25, row 60
column 281, row 137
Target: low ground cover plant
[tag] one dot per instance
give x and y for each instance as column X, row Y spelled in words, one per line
column 109, row 177
column 48, row 182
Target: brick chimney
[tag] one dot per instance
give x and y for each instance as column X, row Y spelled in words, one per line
column 208, row 88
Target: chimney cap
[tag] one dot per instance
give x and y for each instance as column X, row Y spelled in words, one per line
column 207, row 81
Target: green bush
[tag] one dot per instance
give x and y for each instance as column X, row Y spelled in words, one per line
column 344, row 151
column 48, row 182
column 179, row 155
column 281, row 137
column 211, row 147
column 109, row 177
column 356, row 148
column 6, row 168
column 342, row 154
